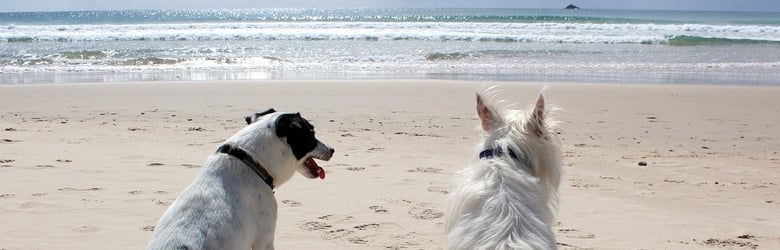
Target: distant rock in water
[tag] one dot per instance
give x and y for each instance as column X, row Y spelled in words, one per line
column 571, row 7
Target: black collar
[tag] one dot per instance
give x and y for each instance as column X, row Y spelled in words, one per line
column 249, row 161
column 497, row 152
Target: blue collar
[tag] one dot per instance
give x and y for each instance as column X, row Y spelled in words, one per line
column 498, row 152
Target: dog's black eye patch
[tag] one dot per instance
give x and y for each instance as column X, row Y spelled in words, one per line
column 254, row 117
column 299, row 134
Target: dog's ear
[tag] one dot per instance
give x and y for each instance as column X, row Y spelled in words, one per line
column 487, row 115
column 271, row 110
column 250, row 119
column 536, row 124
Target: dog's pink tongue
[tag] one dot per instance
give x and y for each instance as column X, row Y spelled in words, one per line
column 321, row 173
column 312, row 164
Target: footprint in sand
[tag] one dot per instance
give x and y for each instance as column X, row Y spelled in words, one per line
column 582, row 185
column 425, row 170
column 376, row 149
column 380, row 235
column 729, row 243
column 86, row 229
column 161, row 203
column 80, row 189
column 197, row 129
column 384, row 235
column 419, row 210
column 336, row 218
column 358, row 240
column 356, row 168
column 365, row 233
column 575, row 233
column 438, row 189
column 324, row 222
column 366, row 226
column 91, row 200
column 291, row 203
column 566, row 246
column 425, row 213
column 35, row 204
column 313, row 225
column 378, row 209
column 336, row 234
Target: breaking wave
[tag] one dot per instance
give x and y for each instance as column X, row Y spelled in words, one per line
column 698, row 40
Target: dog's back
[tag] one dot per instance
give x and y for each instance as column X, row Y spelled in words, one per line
column 498, row 209
column 506, row 198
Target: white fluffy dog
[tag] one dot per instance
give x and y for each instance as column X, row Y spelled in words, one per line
column 231, row 204
column 508, row 196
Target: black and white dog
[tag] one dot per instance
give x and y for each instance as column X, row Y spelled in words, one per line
column 231, row 204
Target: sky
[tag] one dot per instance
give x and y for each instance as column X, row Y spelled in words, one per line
column 63, row 5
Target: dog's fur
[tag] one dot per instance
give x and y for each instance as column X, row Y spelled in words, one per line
column 509, row 200
column 228, row 206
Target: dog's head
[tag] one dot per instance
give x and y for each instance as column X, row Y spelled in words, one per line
column 530, row 122
column 529, row 131
column 283, row 143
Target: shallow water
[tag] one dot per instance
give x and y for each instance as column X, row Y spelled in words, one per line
column 474, row 44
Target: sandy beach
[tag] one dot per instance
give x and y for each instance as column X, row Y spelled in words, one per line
column 93, row 166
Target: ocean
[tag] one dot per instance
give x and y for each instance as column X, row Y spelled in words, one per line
column 621, row 46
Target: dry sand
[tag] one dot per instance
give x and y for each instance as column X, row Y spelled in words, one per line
column 93, row 166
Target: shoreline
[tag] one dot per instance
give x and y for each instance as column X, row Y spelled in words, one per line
column 103, row 161
column 725, row 79
column 477, row 80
